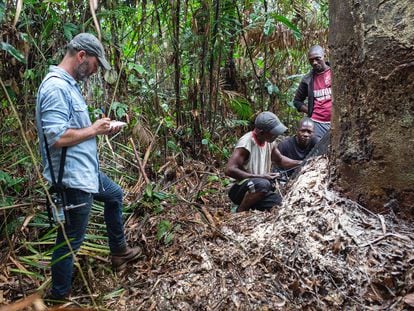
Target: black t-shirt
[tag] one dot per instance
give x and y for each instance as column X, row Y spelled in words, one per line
column 290, row 148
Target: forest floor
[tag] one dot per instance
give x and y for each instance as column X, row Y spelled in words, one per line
column 318, row 251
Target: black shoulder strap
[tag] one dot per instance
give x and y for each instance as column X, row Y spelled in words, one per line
column 62, row 165
column 57, row 186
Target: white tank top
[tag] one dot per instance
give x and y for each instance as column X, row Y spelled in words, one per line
column 260, row 159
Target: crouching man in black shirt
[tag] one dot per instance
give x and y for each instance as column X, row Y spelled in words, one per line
column 297, row 147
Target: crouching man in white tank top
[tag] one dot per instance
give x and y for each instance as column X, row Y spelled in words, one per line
column 251, row 162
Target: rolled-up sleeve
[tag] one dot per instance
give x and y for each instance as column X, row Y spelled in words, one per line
column 55, row 113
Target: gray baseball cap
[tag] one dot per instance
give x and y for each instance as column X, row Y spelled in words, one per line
column 269, row 123
column 89, row 43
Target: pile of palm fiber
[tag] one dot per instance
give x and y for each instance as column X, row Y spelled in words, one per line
column 318, row 251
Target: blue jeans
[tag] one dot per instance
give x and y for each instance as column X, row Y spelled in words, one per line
column 62, row 260
column 321, row 129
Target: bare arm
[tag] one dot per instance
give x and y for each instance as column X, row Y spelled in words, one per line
column 75, row 136
column 304, row 108
column 234, row 167
column 282, row 161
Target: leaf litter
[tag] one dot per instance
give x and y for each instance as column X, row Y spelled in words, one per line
column 317, row 251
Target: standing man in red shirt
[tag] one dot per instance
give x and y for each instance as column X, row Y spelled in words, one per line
column 316, row 87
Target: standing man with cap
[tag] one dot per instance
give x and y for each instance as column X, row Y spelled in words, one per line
column 316, row 87
column 64, row 126
column 250, row 165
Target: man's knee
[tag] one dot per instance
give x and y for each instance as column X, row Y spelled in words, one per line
column 261, row 185
column 270, row 200
column 252, row 186
column 118, row 193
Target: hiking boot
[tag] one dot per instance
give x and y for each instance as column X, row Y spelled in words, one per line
column 51, row 299
column 119, row 260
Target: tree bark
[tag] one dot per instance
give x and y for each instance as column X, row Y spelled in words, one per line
column 211, row 97
column 372, row 56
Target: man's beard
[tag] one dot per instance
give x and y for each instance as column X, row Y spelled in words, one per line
column 303, row 142
column 318, row 68
column 82, row 72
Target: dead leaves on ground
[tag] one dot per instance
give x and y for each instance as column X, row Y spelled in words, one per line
column 318, row 251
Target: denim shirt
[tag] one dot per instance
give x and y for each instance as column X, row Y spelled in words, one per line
column 61, row 106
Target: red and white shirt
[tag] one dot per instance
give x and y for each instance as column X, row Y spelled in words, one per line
column 322, row 97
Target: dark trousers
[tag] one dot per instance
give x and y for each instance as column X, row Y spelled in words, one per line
column 238, row 191
column 62, row 259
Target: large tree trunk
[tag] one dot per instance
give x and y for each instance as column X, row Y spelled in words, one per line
column 372, row 54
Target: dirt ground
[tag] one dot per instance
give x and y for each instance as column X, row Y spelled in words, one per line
column 318, row 251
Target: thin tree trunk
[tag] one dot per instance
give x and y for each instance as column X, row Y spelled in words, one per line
column 157, row 15
column 216, row 92
column 141, row 26
column 203, row 30
column 263, row 80
column 211, row 66
column 176, row 44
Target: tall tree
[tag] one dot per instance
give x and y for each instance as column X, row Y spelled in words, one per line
column 176, row 44
column 212, row 58
column 372, row 49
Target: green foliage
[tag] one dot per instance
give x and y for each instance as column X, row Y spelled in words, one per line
column 2, row 11
column 29, row 273
column 212, row 178
column 214, row 148
column 152, row 198
column 6, row 200
column 171, row 145
column 13, row 51
column 270, row 25
column 11, row 225
column 95, row 113
column 165, row 232
column 226, row 181
column 137, row 67
column 284, row 20
column 272, row 88
column 116, row 293
column 70, row 30
column 119, row 109
column 111, row 76
column 9, row 183
column 241, row 107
